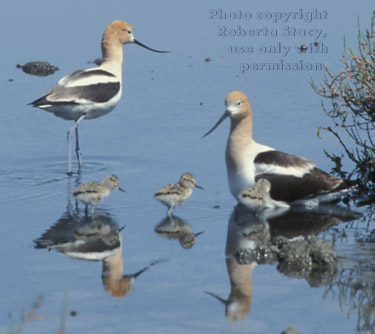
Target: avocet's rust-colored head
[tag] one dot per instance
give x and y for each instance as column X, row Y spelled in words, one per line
column 237, row 106
column 119, row 33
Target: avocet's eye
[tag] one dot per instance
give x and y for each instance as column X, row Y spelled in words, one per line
column 239, row 102
column 129, row 31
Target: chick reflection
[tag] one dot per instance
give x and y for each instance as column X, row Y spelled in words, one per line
column 240, row 226
column 172, row 227
column 89, row 239
column 82, row 238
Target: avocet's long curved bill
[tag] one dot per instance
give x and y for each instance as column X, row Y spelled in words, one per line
column 217, row 297
column 222, row 118
column 146, row 47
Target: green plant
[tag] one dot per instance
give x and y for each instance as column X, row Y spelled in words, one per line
column 352, row 96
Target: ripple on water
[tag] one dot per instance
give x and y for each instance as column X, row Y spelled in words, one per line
column 43, row 179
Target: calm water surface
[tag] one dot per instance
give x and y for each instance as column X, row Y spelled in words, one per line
column 152, row 136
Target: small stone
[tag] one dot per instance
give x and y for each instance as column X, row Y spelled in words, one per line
column 97, row 61
column 303, row 48
column 290, row 330
column 39, row 68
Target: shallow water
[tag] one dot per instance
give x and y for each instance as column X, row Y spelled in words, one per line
column 152, row 136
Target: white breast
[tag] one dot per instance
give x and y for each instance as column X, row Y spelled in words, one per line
column 242, row 175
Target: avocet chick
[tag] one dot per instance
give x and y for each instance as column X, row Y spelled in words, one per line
column 174, row 194
column 93, row 192
column 258, row 198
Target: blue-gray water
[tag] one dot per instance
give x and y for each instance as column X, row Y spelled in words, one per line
column 152, row 136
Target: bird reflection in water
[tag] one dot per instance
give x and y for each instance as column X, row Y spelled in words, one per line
column 238, row 304
column 83, row 238
column 173, row 227
column 250, row 241
column 97, row 239
column 114, row 281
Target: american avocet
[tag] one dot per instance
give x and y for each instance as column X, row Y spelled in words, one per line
column 175, row 194
column 293, row 179
column 93, row 192
column 94, row 92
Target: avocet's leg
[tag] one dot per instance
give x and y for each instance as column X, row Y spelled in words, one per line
column 69, row 153
column 74, row 128
column 170, row 211
column 78, row 151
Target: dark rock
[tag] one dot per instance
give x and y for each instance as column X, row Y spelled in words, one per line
column 303, row 48
column 306, row 257
column 97, row 61
column 290, row 330
column 40, row 68
column 305, row 252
